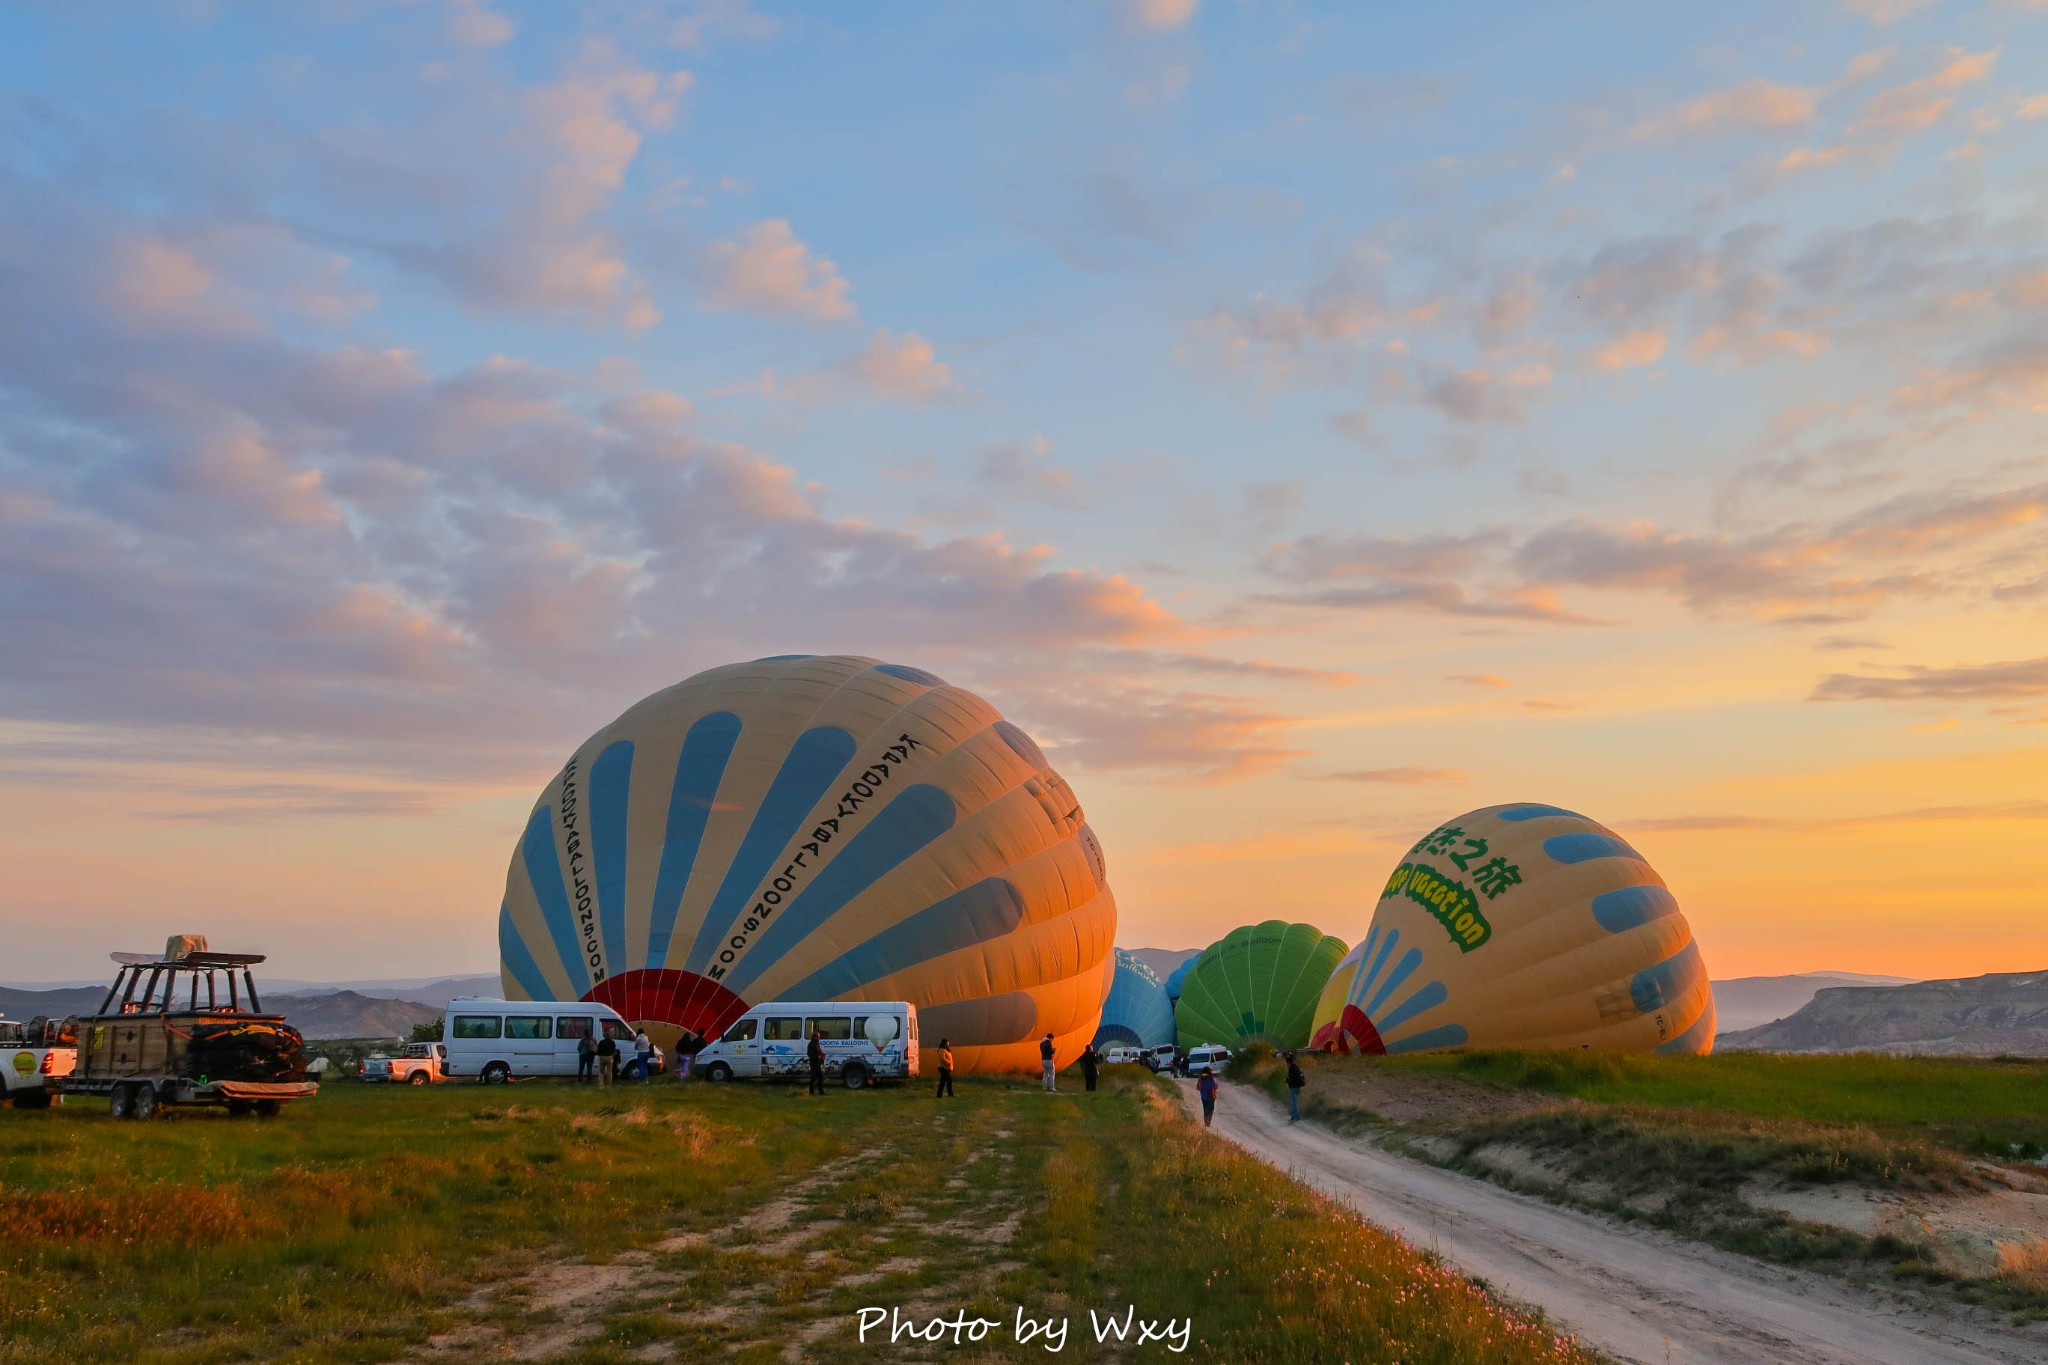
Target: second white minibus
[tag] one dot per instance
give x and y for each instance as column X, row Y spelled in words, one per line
column 864, row 1041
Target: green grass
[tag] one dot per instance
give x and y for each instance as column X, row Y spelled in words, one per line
column 1994, row 1107
column 370, row 1222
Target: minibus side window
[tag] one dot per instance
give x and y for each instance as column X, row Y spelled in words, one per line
column 784, row 1029
column 478, row 1026
column 833, row 1030
column 742, row 1032
column 618, row 1032
column 573, row 1026
column 529, row 1026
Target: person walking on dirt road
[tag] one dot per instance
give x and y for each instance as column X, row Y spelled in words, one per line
column 945, row 1069
column 1045, row 1055
column 1295, row 1081
column 816, row 1053
column 1208, row 1087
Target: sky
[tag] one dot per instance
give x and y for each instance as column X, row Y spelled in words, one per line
column 1309, row 421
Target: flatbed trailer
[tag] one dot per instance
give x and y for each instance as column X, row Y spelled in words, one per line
column 186, row 1028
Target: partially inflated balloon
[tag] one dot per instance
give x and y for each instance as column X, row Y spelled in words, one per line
column 1136, row 1013
column 1521, row 926
column 816, row 828
column 1256, row 985
column 1180, row 974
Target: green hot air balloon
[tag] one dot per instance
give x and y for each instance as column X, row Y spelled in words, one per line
column 1258, row 984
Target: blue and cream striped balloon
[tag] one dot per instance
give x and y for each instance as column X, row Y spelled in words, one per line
column 816, row 827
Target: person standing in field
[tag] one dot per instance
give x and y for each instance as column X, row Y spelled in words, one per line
column 1295, row 1081
column 1045, row 1055
column 1089, row 1059
column 816, row 1054
column 607, row 1061
column 1208, row 1087
column 586, row 1059
column 945, row 1070
column 643, row 1055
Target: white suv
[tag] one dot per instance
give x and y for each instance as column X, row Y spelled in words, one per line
column 1209, row 1055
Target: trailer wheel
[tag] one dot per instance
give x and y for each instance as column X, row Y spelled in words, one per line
column 120, row 1101
column 497, row 1073
column 718, row 1071
column 143, row 1108
column 418, row 1077
column 268, row 1109
column 240, row 1109
column 855, row 1075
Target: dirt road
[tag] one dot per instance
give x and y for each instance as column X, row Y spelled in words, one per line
column 1636, row 1293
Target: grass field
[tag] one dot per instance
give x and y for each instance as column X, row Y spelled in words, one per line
column 1994, row 1107
column 548, row 1222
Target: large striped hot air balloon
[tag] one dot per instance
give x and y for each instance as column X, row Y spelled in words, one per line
column 1136, row 1013
column 1521, row 926
column 1257, row 984
column 816, row 828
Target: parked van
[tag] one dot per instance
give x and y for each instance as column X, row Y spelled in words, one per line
column 1122, row 1054
column 865, row 1041
column 1210, row 1055
column 495, row 1040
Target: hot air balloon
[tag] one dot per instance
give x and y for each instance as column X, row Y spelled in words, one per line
column 1521, row 926
column 1136, row 1013
column 816, row 828
column 1257, row 984
column 1180, row 974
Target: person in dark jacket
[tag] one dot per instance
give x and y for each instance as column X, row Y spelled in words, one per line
column 607, row 1060
column 586, row 1059
column 1090, row 1059
column 1295, row 1081
column 816, row 1053
column 1208, row 1086
column 1045, row 1055
column 945, row 1069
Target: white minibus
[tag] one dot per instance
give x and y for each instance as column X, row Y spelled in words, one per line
column 864, row 1040
column 495, row 1040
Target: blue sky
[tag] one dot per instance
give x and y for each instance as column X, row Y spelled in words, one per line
column 1310, row 420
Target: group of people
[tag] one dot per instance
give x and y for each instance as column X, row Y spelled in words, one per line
column 597, row 1059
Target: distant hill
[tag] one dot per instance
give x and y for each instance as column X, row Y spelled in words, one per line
column 436, row 992
column 2006, row 1012
column 339, row 1014
column 1744, row 1002
column 1162, row 961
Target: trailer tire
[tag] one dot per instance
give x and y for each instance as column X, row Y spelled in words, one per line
column 119, row 1101
column 497, row 1073
column 143, row 1108
column 717, row 1072
column 268, row 1109
column 240, row 1109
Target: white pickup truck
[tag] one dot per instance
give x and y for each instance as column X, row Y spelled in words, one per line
column 34, row 1057
column 415, row 1064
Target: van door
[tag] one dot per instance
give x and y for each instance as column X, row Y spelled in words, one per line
column 531, row 1038
column 739, row 1048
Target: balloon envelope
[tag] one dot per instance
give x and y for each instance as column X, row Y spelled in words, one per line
column 1180, row 974
column 1523, row 926
column 816, row 828
column 1136, row 1013
column 1257, row 984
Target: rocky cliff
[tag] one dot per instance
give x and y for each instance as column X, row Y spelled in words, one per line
column 2005, row 1012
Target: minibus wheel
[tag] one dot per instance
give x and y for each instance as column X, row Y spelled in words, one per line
column 855, row 1075
column 718, row 1071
